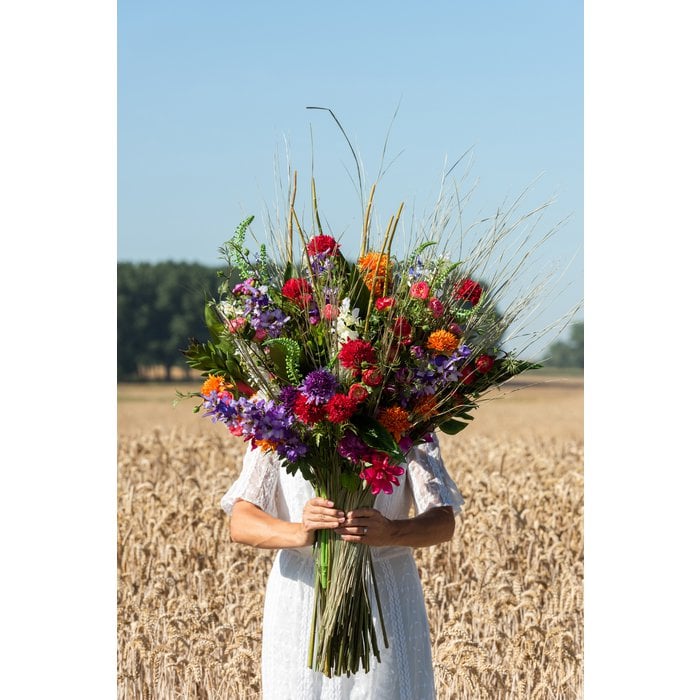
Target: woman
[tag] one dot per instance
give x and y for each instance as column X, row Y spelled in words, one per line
column 271, row 509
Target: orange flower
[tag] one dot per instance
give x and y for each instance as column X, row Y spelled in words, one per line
column 426, row 407
column 213, row 383
column 375, row 268
column 442, row 341
column 395, row 420
column 265, row 445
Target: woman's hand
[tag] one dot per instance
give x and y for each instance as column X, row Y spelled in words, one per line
column 319, row 514
column 369, row 526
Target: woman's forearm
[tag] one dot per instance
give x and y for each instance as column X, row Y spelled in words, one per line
column 432, row 527
column 251, row 525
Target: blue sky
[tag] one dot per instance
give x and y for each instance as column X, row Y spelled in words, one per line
column 209, row 94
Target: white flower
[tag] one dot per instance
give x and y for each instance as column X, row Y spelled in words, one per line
column 347, row 322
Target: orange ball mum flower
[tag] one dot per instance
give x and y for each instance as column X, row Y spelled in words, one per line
column 426, row 407
column 442, row 341
column 395, row 420
column 213, row 383
column 375, row 268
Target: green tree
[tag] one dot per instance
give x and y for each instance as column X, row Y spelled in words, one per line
column 159, row 307
column 569, row 353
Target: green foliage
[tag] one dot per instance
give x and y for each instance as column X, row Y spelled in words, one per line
column 374, row 434
column 235, row 253
column 286, row 353
column 159, row 306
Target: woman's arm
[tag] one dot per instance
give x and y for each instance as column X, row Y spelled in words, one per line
column 369, row 526
column 252, row 525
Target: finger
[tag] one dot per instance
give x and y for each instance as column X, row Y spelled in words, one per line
column 318, row 501
column 352, row 530
column 325, row 514
column 362, row 513
column 322, row 525
column 352, row 538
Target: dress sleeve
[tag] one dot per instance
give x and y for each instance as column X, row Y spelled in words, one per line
column 257, row 482
column 430, row 483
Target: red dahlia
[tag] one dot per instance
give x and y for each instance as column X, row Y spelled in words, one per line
column 309, row 413
column 340, row 408
column 298, row 290
column 322, row 244
column 354, row 353
column 470, row 291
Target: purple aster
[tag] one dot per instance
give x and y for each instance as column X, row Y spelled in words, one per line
column 319, row 386
column 288, row 395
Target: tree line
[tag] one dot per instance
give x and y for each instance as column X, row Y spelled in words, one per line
column 160, row 306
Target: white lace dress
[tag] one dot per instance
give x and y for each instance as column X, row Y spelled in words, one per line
column 405, row 671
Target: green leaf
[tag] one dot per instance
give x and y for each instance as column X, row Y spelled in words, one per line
column 213, row 320
column 452, row 426
column 374, row 434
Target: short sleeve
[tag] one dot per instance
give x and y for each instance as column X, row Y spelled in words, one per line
column 257, row 482
column 430, row 483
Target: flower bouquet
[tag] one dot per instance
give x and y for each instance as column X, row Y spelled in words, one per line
column 339, row 368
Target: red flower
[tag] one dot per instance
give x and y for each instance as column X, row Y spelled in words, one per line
column 470, row 291
column 322, row 244
column 381, row 476
column 372, row 376
column 297, row 290
column 402, row 329
column 384, row 303
column 309, row 413
column 354, row 353
column 436, row 307
column 340, row 408
column 468, row 375
column 420, row 290
column 358, row 393
column 484, row 363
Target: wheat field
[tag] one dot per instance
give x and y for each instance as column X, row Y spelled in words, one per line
column 504, row 596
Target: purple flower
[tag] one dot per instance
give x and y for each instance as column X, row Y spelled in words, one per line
column 319, row 386
column 292, row 449
column 351, row 447
column 288, row 395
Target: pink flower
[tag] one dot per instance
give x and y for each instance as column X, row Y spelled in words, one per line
column 420, row 290
column 436, row 307
column 384, row 303
column 235, row 324
column 381, row 476
column 330, row 312
column 260, row 334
